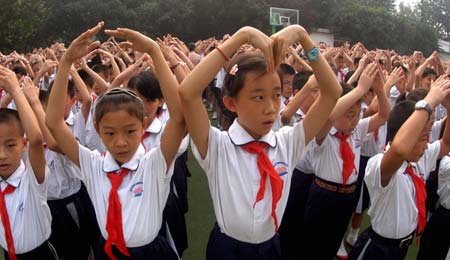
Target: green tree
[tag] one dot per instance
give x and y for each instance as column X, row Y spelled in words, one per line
column 437, row 14
column 20, row 20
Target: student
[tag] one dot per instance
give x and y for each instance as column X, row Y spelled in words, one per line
column 147, row 87
column 336, row 150
column 249, row 168
column 287, row 74
column 395, row 179
column 25, row 215
column 134, row 182
column 435, row 242
column 74, row 227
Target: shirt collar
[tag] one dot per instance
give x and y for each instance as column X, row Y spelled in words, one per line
column 155, row 127
column 300, row 112
column 15, row 178
column 239, row 136
column 70, row 119
column 111, row 165
column 164, row 106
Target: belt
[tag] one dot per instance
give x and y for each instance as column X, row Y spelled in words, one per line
column 334, row 187
column 400, row 242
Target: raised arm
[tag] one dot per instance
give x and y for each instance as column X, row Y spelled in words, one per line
column 175, row 128
column 82, row 92
column 29, row 123
column 384, row 107
column 410, row 132
column 193, row 85
column 345, row 102
column 295, row 103
column 80, row 47
column 329, row 87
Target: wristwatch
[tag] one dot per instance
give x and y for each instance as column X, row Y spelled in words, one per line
column 313, row 54
column 423, row 105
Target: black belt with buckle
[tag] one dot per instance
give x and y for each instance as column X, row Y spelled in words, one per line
column 400, row 243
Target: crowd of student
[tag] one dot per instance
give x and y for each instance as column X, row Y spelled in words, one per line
column 93, row 165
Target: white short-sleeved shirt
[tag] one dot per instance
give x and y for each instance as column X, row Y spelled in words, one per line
column 61, row 180
column 28, row 212
column 394, row 94
column 165, row 115
column 371, row 147
column 234, row 179
column 155, row 130
column 440, row 112
column 92, row 139
column 143, row 192
column 220, row 77
column 338, row 74
column 393, row 210
column 306, row 163
column 296, row 117
column 436, row 130
column 328, row 163
column 444, row 182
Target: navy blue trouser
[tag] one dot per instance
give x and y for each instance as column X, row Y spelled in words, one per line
column 223, row 247
column 44, row 251
column 435, row 240
column 292, row 223
column 327, row 215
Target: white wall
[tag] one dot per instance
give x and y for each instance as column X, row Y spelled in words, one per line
column 328, row 38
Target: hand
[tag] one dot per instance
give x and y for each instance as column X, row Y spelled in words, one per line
column 8, row 80
column 363, row 61
column 438, row 91
column 138, row 41
column 30, row 91
column 368, row 76
column 80, row 47
column 396, row 75
column 261, row 41
column 49, row 64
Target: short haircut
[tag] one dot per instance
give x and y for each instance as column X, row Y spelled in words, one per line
column 100, row 68
column 20, row 70
column 246, row 63
column 70, row 88
column 415, row 95
column 147, row 85
column 191, row 46
column 88, row 80
column 10, row 116
column 119, row 99
column 285, row 69
column 398, row 115
column 300, row 80
column 428, row 71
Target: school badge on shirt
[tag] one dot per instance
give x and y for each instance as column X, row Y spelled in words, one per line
column 137, row 189
column 281, row 168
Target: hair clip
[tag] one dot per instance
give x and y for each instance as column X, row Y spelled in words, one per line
column 234, row 70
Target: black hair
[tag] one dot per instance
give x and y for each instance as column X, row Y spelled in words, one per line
column 20, row 70
column 349, row 75
column 147, row 85
column 191, row 46
column 285, row 69
column 119, row 99
column 100, row 68
column 398, row 115
column 70, row 88
column 346, row 88
column 43, row 96
column 88, row 80
column 300, row 80
column 428, row 71
column 245, row 62
column 8, row 116
column 415, row 95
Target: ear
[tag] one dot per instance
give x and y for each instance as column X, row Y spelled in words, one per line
column 25, row 142
column 230, row 103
